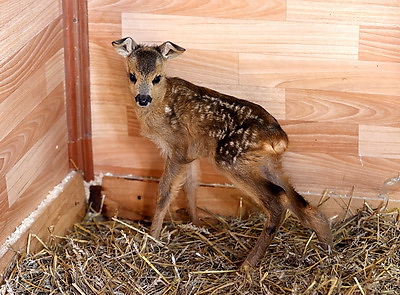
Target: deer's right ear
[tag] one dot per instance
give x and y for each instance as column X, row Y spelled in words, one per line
column 124, row 46
column 170, row 50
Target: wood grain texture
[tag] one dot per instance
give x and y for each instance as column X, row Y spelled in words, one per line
column 353, row 12
column 68, row 208
column 135, row 199
column 40, row 156
column 317, row 137
column 319, row 74
column 328, row 71
column 251, row 36
column 247, row 9
column 25, row 189
column 343, row 107
column 33, row 137
column 17, row 16
column 379, row 44
column 123, row 195
column 109, row 119
column 77, row 88
column 139, row 156
column 340, row 173
column 18, row 68
column 379, row 141
column 211, row 66
column 34, row 126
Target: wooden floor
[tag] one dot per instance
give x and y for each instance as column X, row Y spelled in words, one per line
column 329, row 71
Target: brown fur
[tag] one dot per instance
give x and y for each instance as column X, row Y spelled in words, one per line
column 242, row 139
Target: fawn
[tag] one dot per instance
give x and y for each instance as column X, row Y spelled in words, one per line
column 242, row 139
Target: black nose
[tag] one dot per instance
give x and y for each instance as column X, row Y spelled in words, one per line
column 143, row 100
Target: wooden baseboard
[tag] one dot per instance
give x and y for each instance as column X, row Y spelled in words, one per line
column 135, row 199
column 63, row 207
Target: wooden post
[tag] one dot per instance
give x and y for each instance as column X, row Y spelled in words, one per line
column 77, row 86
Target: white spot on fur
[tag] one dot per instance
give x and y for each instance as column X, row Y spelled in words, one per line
column 168, row 110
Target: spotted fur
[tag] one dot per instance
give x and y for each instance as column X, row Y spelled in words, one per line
column 241, row 138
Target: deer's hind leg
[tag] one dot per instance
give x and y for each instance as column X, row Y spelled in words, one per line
column 269, row 197
column 308, row 215
column 311, row 217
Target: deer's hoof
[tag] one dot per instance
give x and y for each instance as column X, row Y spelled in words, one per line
column 246, row 269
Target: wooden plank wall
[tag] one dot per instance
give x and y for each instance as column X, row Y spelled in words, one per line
column 329, row 71
column 64, row 206
column 33, row 128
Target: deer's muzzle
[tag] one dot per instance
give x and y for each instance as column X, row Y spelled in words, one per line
column 143, row 100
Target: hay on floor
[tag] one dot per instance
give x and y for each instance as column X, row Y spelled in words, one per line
column 119, row 257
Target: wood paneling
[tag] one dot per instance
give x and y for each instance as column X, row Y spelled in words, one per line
column 255, row 9
column 358, row 12
column 251, row 36
column 316, row 172
column 22, row 66
column 317, row 137
column 319, row 74
column 22, row 20
column 329, row 71
column 380, row 44
column 33, row 136
column 56, row 217
column 135, row 199
column 211, row 66
column 379, row 141
column 343, row 107
column 123, row 195
column 38, row 157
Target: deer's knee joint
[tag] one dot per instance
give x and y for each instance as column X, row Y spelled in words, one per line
column 271, row 230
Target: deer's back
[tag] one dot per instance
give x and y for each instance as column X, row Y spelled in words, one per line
column 228, row 126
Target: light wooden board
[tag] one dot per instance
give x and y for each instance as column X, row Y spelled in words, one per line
column 342, row 107
column 379, row 141
column 17, row 16
column 136, row 199
column 32, row 56
column 255, row 9
column 360, row 12
column 319, row 74
column 328, row 71
column 317, row 137
column 33, row 137
column 251, row 36
column 380, row 43
column 56, row 218
column 340, row 173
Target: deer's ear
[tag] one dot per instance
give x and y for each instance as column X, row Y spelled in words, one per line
column 124, row 46
column 170, row 50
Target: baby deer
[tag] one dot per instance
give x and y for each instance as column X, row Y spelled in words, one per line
column 242, row 139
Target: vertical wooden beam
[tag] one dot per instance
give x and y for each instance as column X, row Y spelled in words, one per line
column 76, row 54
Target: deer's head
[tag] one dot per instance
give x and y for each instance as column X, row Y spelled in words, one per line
column 146, row 68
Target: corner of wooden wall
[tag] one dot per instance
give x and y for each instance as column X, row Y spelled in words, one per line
column 53, row 219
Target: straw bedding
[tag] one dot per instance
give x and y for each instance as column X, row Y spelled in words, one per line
column 118, row 257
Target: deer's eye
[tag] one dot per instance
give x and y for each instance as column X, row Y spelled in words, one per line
column 157, row 79
column 132, row 77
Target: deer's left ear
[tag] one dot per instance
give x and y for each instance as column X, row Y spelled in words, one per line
column 170, row 50
column 124, row 46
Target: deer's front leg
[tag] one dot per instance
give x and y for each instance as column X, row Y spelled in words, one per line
column 190, row 188
column 170, row 183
